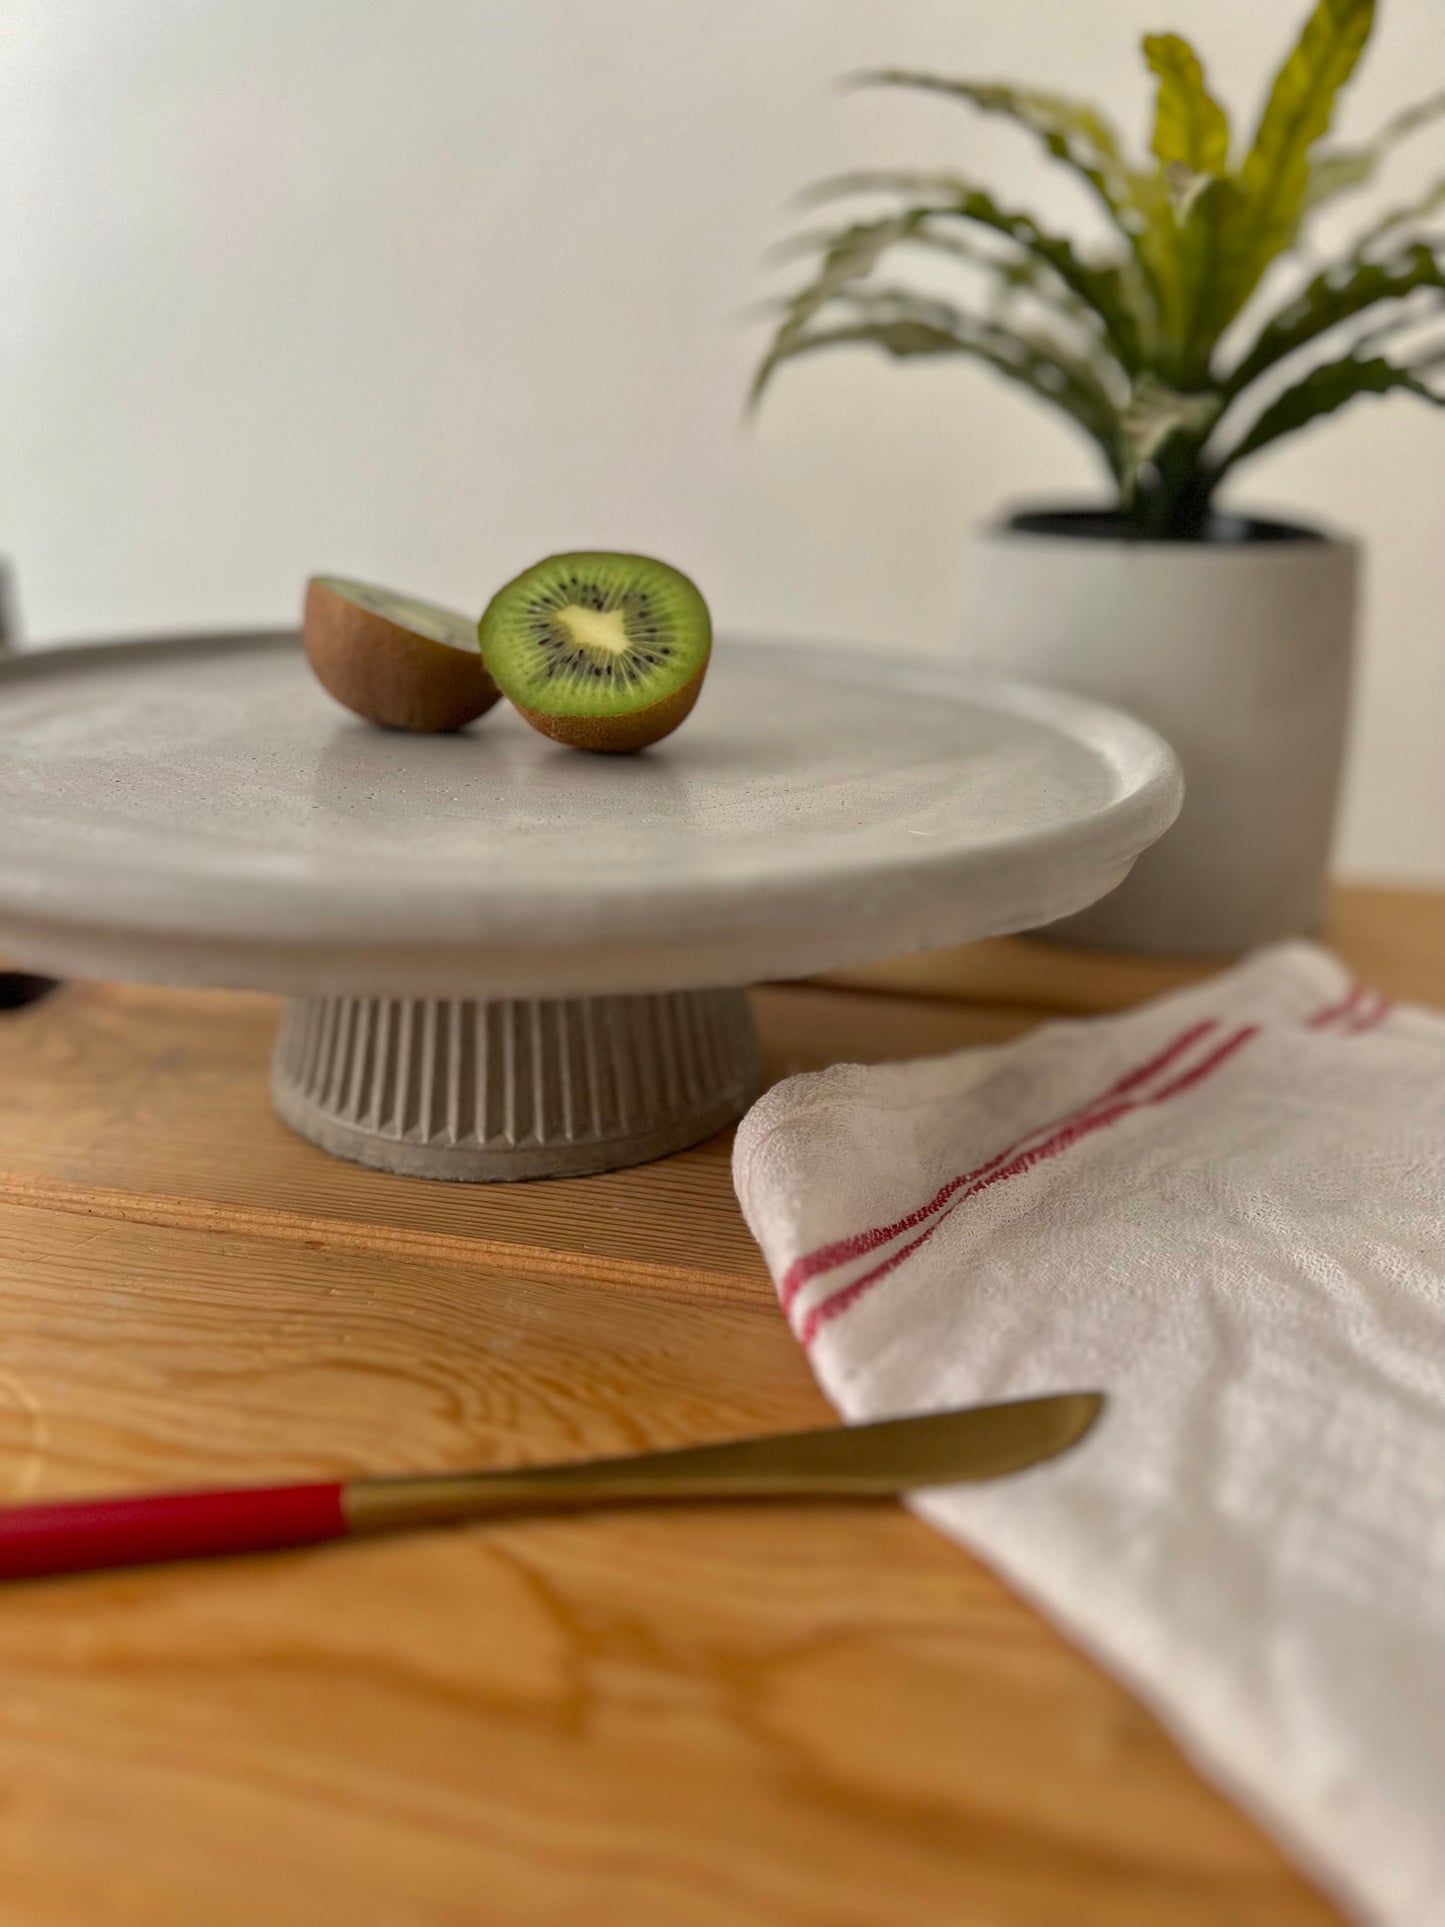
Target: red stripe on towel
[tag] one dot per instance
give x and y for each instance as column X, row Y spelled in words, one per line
column 1376, row 1014
column 829, row 1257
column 1356, row 1012
column 1082, row 1125
column 1341, row 1009
column 1211, row 1063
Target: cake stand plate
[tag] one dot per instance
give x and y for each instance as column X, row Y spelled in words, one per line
column 506, row 959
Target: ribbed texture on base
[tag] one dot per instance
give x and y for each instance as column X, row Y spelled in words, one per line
column 513, row 1088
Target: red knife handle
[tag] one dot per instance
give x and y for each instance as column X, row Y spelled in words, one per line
column 80, row 1535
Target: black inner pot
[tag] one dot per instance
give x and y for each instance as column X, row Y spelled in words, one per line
column 1108, row 525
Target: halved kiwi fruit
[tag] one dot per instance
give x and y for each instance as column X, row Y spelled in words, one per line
column 393, row 659
column 599, row 651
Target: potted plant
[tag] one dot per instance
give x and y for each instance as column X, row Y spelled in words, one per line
column 1179, row 356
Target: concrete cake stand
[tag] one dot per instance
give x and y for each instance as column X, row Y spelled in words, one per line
column 509, row 960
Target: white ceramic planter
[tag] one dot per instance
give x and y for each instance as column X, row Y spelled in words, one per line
column 1239, row 654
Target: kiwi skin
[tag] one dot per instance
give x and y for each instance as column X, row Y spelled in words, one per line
column 387, row 673
column 619, row 735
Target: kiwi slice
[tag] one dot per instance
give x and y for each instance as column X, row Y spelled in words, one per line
column 602, row 652
column 393, row 659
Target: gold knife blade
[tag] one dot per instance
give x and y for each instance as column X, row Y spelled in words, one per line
column 877, row 1460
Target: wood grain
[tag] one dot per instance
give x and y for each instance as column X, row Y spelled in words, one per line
column 744, row 1714
column 733, row 1715
column 132, row 1101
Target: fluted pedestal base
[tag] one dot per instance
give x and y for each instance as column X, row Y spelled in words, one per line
column 489, row 1091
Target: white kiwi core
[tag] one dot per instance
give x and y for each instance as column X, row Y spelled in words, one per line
column 597, row 628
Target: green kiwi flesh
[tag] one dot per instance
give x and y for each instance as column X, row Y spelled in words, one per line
column 394, row 659
column 600, row 651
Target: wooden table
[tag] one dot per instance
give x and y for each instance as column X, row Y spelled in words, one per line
column 740, row 1715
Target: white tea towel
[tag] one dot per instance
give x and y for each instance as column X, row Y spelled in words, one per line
column 1227, row 1211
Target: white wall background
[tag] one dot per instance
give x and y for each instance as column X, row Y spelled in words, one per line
column 421, row 289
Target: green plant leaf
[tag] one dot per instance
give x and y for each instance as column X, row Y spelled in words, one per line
column 1073, row 375
column 1191, row 129
column 1407, row 216
column 1191, row 144
column 1073, row 132
column 1275, row 172
column 1321, row 392
column 848, row 255
column 1203, row 245
column 1339, row 170
column 1334, row 296
column 1334, row 174
column 905, row 325
column 1103, row 288
column 1155, row 414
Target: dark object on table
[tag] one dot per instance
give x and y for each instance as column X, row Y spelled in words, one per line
column 18, row 988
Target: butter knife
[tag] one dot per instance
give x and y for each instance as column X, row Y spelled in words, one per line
column 873, row 1461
